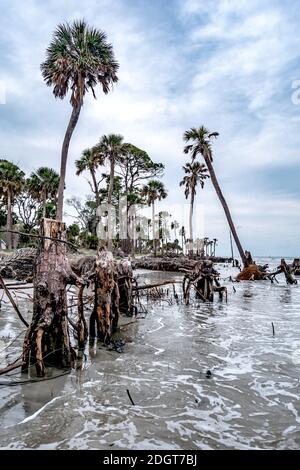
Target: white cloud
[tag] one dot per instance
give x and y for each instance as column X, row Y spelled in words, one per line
column 225, row 64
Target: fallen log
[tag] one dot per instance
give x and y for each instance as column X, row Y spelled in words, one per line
column 250, row 273
column 18, row 265
column 151, row 286
column 11, row 367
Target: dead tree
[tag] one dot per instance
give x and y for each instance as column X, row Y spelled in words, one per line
column 204, row 280
column 287, row 272
column 47, row 338
column 106, row 306
column 125, row 279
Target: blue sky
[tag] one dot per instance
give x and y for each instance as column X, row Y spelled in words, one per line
column 228, row 64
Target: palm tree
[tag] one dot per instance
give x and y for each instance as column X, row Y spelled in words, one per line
column 154, row 191
column 111, row 148
column 42, row 185
column 78, row 58
column 11, row 184
column 90, row 160
column 201, row 145
column 194, row 173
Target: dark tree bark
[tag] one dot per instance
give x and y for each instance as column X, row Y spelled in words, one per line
column 64, row 157
column 47, row 338
column 9, row 220
column 109, row 202
column 106, row 312
column 125, row 277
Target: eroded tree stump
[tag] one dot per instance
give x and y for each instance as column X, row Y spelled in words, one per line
column 47, row 340
column 203, row 278
column 125, row 278
column 106, row 307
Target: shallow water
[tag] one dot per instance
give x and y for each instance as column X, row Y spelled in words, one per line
column 251, row 399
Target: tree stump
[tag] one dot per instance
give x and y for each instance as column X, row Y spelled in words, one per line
column 47, row 338
column 125, row 277
column 106, row 307
column 202, row 278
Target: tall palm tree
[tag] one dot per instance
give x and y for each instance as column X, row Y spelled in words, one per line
column 195, row 173
column 42, row 185
column 111, row 149
column 11, row 184
column 154, row 191
column 90, row 160
column 78, row 58
column 201, row 145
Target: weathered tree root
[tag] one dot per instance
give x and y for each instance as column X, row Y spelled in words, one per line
column 48, row 332
column 254, row 273
column 203, row 278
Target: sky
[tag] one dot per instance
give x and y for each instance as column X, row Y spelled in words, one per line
column 232, row 65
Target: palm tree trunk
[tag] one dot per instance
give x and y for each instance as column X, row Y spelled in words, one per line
column 109, row 201
column 226, row 209
column 231, row 246
column 9, row 220
column 191, row 222
column 97, row 197
column 64, row 156
column 44, row 204
column 153, row 228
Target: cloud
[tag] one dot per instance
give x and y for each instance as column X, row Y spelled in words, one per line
column 226, row 64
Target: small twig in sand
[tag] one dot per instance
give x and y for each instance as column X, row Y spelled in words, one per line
column 128, row 393
column 273, row 328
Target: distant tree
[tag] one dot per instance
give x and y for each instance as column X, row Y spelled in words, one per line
column 195, row 173
column 11, row 184
column 28, row 211
column 111, row 149
column 154, row 191
column 43, row 185
column 85, row 213
column 73, row 232
column 90, row 161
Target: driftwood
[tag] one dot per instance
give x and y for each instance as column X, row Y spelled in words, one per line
column 174, row 263
column 204, row 280
column 19, row 265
